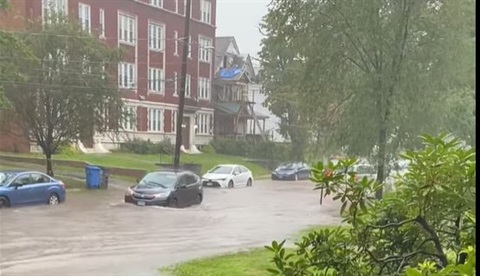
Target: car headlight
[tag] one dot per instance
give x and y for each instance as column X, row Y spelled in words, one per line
column 162, row 195
column 128, row 192
column 221, row 179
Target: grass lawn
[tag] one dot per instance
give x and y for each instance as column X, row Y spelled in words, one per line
column 147, row 162
column 250, row 263
column 70, row 183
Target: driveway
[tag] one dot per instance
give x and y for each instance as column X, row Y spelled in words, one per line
column 95, row 233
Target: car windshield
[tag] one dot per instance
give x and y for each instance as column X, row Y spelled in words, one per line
column 287, row 166
column 222, row 170
column 5, row 178
column 158, row 180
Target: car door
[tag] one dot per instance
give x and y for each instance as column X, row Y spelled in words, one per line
column 245, row 174
column 237, row 177
column 21, row 192
column 182, row 190
column 192, row 187
column 40, row 185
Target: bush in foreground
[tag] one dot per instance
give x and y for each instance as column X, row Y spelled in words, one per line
column 425, row 227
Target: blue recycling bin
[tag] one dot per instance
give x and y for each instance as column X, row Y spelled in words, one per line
column 93, row 175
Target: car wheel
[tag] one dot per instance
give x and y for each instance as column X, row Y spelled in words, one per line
column 249, row 182
column 230, row 184
column 173, row 203
column 4, row 202
column 199, row 199
column 53, row 199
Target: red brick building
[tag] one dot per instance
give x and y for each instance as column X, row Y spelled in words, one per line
column 151, row 34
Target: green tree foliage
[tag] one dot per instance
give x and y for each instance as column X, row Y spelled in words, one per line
column 370, row 73
column 66, row 94
column 10, row 48
column 426, row 224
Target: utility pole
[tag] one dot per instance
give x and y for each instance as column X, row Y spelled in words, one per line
column 181, row 97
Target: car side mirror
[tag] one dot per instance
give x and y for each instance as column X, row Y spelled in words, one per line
column 16, row 185
column 138, row 180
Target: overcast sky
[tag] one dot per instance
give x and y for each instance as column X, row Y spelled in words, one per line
column 240, row 18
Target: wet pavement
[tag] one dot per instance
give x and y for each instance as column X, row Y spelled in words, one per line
column 95, row 233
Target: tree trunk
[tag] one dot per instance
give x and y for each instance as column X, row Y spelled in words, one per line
column 382, row 150
column 48, row 155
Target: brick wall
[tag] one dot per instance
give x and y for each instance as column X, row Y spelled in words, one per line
column 12, row 136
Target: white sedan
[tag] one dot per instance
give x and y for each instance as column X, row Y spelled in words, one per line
column 228, row 176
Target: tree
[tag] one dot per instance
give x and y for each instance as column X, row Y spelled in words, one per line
column 68, row 91
column 427, row 221
column 381, row 67
column 11, row 48
column 280, row 73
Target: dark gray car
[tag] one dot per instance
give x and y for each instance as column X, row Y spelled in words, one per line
column 166, row 188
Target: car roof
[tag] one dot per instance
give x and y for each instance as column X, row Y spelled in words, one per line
column 18, row 171
column 227, row 165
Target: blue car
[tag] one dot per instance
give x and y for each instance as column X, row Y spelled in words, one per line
column 29, row 187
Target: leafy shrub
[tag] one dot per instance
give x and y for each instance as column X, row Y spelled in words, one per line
column 208, row 149
column 411, row 231
column 67, row 150
column 259, row 150
column 139, row 146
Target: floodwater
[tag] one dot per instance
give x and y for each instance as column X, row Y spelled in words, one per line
column 95, row 233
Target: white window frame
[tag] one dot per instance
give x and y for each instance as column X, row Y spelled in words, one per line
column 101, row 20
column 175, row 84
column 204, row 88
column 85, row 16
column 206, row 11
column 156, row 80
column 189, row 46
column 156, row 36
column 203, row 120
column 127, row 75
column 176, row 6
column 204, row 51
column 127, row 29
column 175, row 48
column 50, row 7
column 173, row 120
column 155, row 120
column 157, row 3
column 188, row 86
column 129, row 118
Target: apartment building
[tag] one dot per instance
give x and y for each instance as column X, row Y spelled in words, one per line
column 151, row 33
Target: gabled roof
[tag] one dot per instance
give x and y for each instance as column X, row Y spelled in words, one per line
column 221, row 47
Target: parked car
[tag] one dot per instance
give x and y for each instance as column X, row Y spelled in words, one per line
column 365, row 170
column 228, row 176
column 291, row 171
column 166, row 188
column 29, row 187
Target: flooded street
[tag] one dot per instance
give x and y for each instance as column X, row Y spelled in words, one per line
column 95, row 233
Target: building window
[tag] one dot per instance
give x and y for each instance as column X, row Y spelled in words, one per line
column 126, row 75
column 188, row 82
column 175, row 37
column 102, row 23
column 129, row 118
column 126, row 28
column 189, row 46
column 203, row 122
column 53, row 7
column 155, row 120
column 174, row 121
column 156, row 37
column 204, row 49
column 175, row 84
column 84, row 17
column 156, row 80
column 204, row 88
column 156, row 3
column 206, row 11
